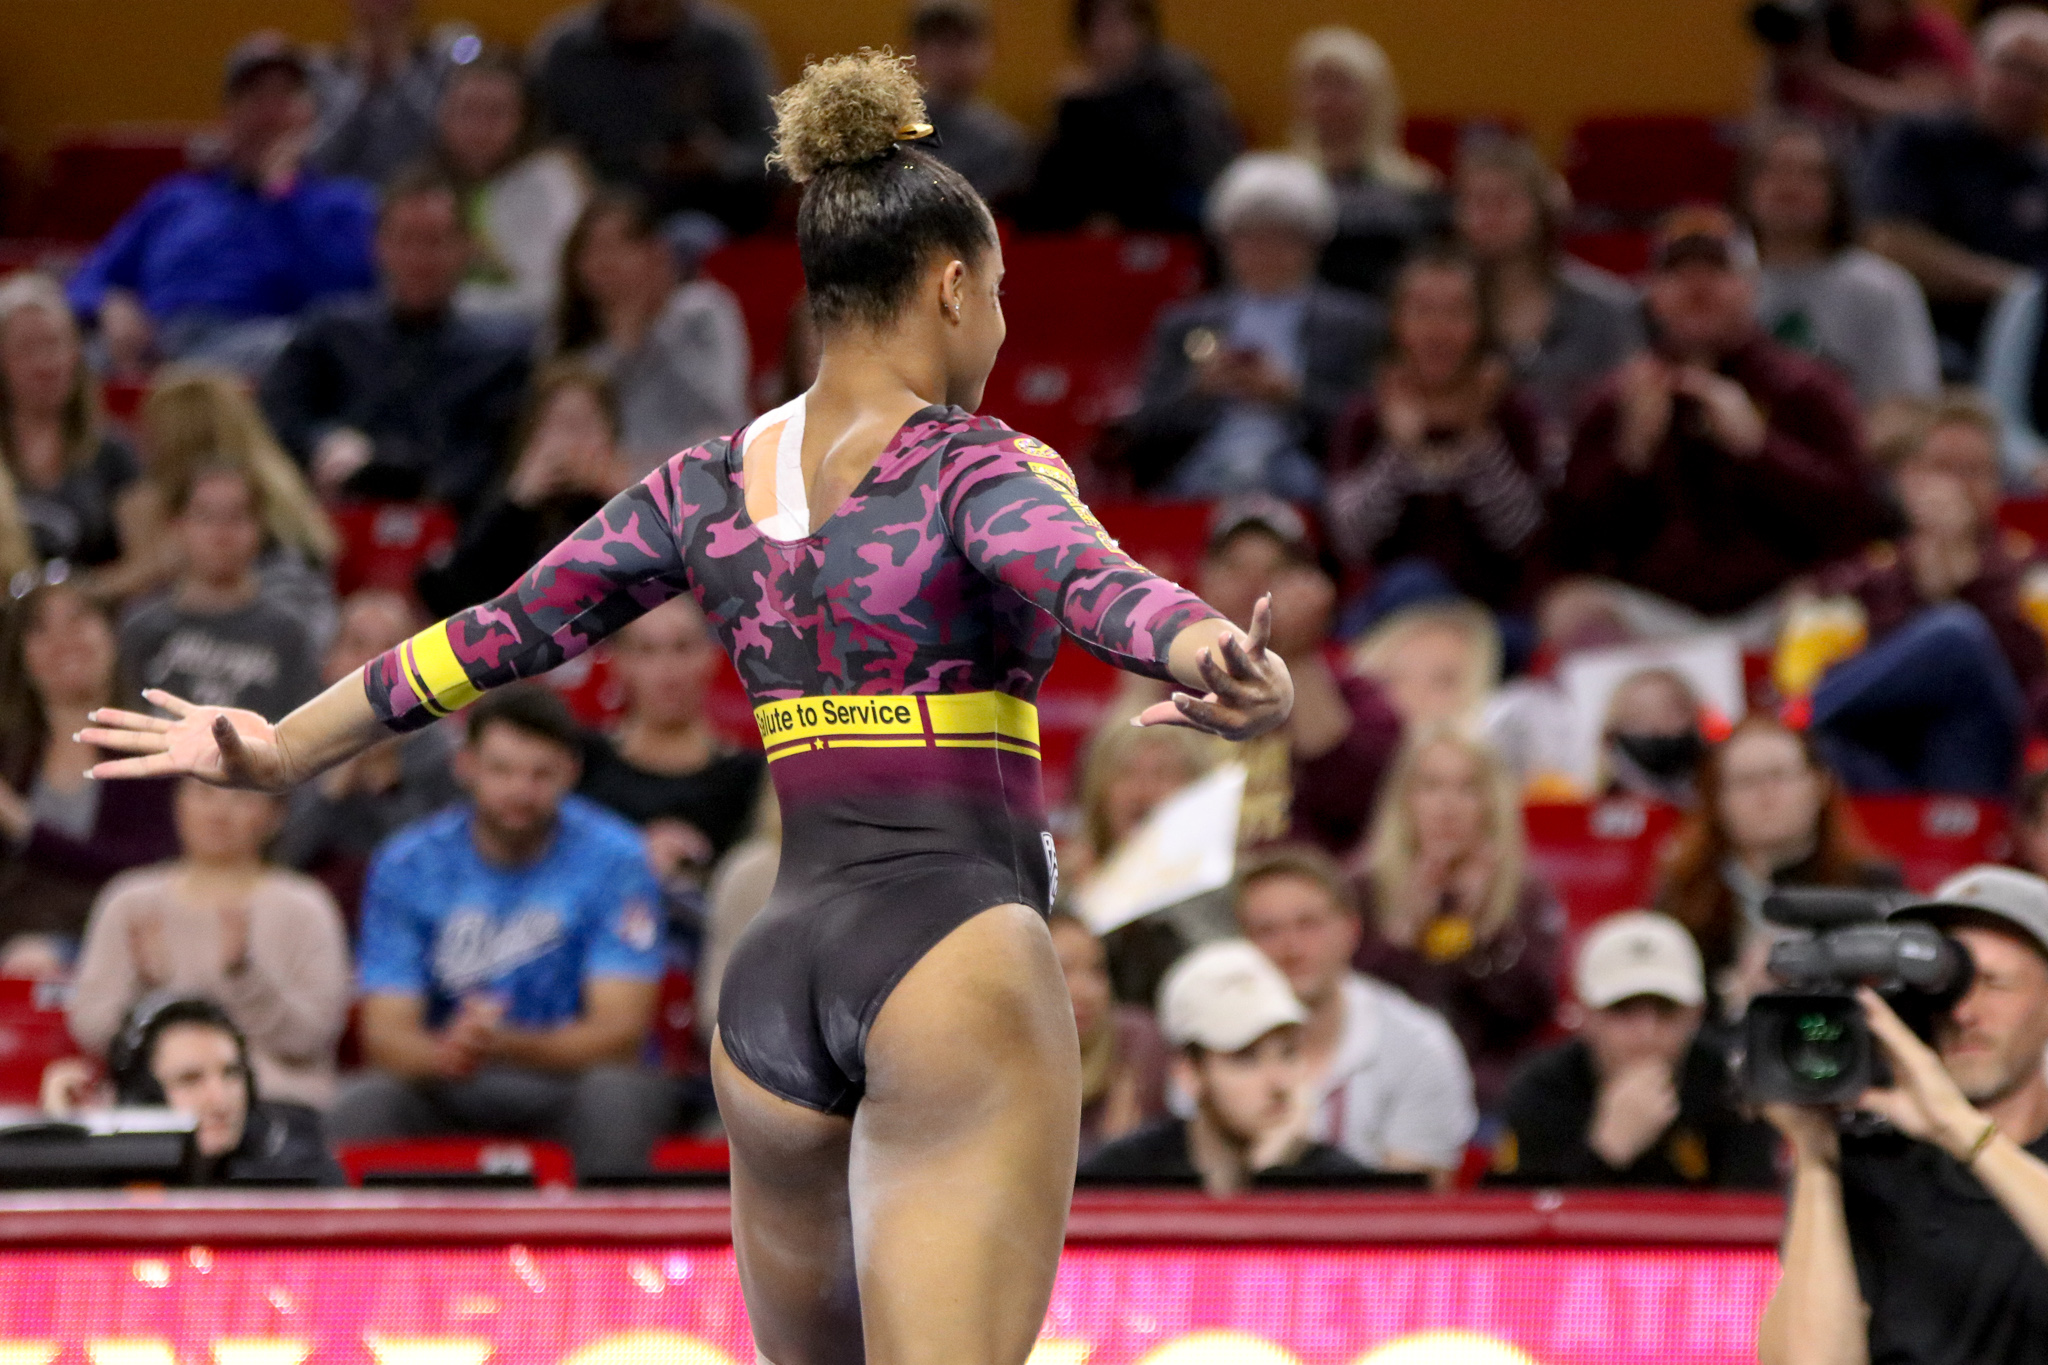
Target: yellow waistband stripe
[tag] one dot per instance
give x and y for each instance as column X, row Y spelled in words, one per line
column 434, row 671
column 983, row 720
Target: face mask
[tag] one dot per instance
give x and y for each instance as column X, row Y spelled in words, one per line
column 1662, row 756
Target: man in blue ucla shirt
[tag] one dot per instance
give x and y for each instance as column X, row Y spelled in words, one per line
column 511, row 953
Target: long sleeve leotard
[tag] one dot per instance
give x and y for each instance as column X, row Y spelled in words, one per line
column 892, row 657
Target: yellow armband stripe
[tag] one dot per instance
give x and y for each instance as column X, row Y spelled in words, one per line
column 434, row 671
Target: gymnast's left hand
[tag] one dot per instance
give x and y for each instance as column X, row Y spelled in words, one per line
column 1250, row 690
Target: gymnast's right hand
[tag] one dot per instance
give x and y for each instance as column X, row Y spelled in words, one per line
column 1249, row 688
column 217, row 744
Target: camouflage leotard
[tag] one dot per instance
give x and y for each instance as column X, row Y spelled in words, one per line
column 893, row 658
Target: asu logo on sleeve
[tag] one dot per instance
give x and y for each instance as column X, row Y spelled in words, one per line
column 1045, row 462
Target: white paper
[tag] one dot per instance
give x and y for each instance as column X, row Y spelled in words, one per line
column 1185, row 847
column 1710, row 661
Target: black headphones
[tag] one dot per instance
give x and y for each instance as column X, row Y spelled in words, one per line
column 131, row 1054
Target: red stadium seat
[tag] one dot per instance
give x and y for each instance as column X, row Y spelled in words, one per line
column 706, row 1155
column 2028, row 516
column 95, row 178
column 1625, row 251
column 675, row 1025
column 766, row 276
column 32, row 1035
column 1628, row 168
column 1932, row 837
column 383, row 544
column 547, row 1164
column 1599, row 857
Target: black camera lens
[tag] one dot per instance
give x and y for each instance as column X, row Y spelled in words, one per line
column 1819, row 1048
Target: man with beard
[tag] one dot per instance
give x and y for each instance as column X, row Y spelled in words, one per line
column 1926, row 1243
column 510, row 957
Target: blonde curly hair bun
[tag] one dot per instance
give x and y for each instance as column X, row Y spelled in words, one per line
column 845, row 110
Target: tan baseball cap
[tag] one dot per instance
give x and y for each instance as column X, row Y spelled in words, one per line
column 1638, row 953
column 2006, row 894
column 1225, row 996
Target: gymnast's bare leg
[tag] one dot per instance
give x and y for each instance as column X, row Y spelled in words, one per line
column 927, row 1229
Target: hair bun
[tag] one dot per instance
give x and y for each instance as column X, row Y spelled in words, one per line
column 845, row 110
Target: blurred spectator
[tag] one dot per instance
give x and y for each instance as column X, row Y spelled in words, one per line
column 221, row 922
column 215, row 639
column 565, row 467
column 376, row 92
column 183, row 1052
column 1638, row 1098
column 1443, row 456
column 335, row 822
column 954, row 43
column 1347, row 120
column 1856, row 63
column 1316, row 778
column 212, row 265
column 1770, row 815
column 669, row 96
column 1386, row 1076
column 1123, row 1057
column 403, row 396
column 1651, row 745
column 1562, row 323
column 1242, row 383
column 672, row 342
column 510, row 957
column 1238, row 1029
column 1437, row 662
column 1955, row 673
column 518, row 198
column 194, row 418
column 1127, row 774
column 65, row 834
column 1961, row 199
column 1140, row 132
column 664, row 766
column 37, row 957
column 1711, row 471
column 1821, row 293
column 2030, row 824
column 68, row 468
column 1454, row 915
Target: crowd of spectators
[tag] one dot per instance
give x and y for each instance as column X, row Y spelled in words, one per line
column 1469, row 469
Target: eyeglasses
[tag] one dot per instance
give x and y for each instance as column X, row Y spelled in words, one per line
column 48, row 576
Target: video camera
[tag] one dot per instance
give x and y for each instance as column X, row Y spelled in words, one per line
column 1809, row 1043
column 1786, row 23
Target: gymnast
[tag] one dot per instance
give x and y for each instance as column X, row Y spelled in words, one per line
column 895, row 1058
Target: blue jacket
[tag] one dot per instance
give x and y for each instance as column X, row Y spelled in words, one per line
column 206, row 243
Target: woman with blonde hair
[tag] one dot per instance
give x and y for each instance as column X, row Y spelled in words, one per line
column 1439, row 662
column 1347, row 120
column 63, row 469
column 194, row 417
column 1454, row 915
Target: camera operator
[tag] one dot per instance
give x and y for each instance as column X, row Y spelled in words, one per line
column 1930, row 1243
column 1850, row 64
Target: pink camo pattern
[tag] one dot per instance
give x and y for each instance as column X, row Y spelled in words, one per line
column 953, row 567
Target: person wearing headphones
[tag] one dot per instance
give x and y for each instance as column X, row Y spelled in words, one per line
column 183, row 1052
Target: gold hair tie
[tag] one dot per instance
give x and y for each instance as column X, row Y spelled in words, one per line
column 913, row 132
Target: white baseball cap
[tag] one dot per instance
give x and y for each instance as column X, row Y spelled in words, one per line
column 2017, row 898
column 1638, row 953
column 1225, row 996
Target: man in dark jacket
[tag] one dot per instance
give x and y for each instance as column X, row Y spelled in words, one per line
column 669, row 96
column 1638, row 1097
column 1243, row 384
column 1714, row 468
column 400, row 395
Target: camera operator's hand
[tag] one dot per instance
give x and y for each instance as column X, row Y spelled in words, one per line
column 1810, row 1131
column 1923, row 1102
column 1636, row 1105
